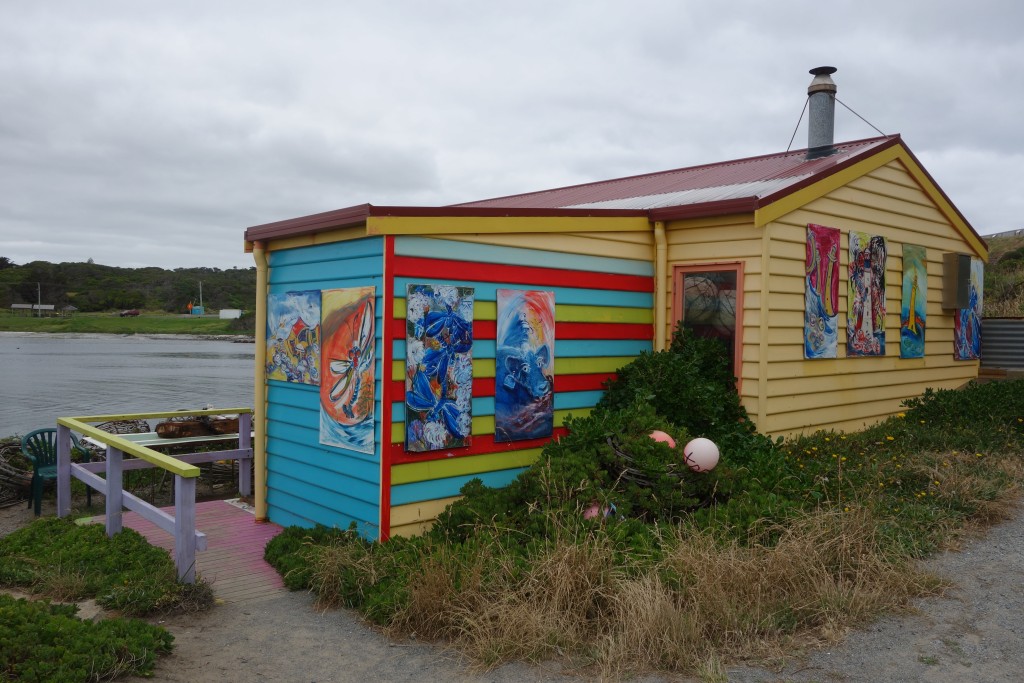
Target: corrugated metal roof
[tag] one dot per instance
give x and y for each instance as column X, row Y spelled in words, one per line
column 728, row 180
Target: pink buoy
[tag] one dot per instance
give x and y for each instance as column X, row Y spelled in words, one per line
column 661, row 436
column 701, row 455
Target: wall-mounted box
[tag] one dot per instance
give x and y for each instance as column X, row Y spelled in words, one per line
column 956, row 280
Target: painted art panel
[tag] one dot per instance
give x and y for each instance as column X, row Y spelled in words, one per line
column 348, row 368
column 915, row 295
column 524, row 365
column 439, row 367
column 293, row 337
column 865, row 315
column 821, row 292
column 967, row 321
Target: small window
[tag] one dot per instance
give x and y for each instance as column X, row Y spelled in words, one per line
column 709, row 301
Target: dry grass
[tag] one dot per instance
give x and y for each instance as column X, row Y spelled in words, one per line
column 702, row 603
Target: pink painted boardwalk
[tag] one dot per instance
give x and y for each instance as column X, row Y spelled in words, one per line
column 233, row 561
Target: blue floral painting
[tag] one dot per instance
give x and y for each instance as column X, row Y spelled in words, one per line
column 439, row 367
column 293, row 337
column 524, row 365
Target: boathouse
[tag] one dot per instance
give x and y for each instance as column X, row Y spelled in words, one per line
column 409, row 350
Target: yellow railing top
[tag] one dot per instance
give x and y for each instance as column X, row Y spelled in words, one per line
column 161, row 460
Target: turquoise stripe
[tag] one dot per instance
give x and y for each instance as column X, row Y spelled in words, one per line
column 369, row 266
column 336, row 283
column 566, row 348
column 339, row 490
column 313, row 514
column 334, row 251
column 326, row 460
column 488, row 291
column 424, row 247
column 567, row 400
column 445, row 488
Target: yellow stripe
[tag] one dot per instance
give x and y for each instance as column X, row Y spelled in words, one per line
column 459, row 467
column 603, row 314
column 483, row 424
column 421, row 511
column 342, row 235
column 794, row 201
column 447, row 225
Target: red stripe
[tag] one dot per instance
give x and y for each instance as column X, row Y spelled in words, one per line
column 487, row 329
column 387, row 388
column 484, row 386
column 481, row 445
column 643, row 331
column 412, row 266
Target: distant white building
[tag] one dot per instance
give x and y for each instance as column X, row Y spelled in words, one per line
column 230, row 313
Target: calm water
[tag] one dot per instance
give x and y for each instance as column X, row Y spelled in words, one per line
column 46, row 376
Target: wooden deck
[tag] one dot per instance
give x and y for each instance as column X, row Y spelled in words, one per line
column 233, row 561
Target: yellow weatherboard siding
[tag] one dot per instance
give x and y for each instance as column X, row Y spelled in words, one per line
column 449, row 225
column 846, row 393
column 896, row 154
column 341, row 235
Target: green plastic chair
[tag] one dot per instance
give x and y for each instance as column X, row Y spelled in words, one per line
column 40, row 447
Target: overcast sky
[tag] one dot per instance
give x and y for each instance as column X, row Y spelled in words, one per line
column 153, row 133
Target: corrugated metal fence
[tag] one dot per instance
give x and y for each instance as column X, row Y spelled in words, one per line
column 1002, row 343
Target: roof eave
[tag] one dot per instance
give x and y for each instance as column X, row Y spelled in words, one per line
column 307, row 225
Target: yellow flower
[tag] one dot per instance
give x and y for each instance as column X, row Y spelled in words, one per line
column 889, row 438
column 901, row 414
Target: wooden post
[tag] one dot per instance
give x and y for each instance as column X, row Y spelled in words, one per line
column 114, row 499
column 185, row 528
column 63, row 471
column 245, row 462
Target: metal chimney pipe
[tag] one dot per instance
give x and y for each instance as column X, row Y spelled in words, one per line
column 821, row 115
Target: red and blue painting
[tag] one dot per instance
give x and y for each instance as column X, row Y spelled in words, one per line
column 865, row 316
column 439, row 367
column 967, row 321
column 348, row 368
column 524, row 365
column 821, row 292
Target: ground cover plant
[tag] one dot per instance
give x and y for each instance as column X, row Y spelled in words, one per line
column 40, row 641
column 59, row 559
column 612, row 554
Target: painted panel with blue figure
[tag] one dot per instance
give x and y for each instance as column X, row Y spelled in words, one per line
column 524, row 365
column 821, row 292
column 967, row 321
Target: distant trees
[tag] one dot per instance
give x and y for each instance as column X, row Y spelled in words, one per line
column 94, row 287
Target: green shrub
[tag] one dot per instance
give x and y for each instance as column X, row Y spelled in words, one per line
column 67, row 561
column 44, row 642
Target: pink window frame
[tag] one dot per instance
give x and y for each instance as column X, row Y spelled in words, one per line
column 680, row 271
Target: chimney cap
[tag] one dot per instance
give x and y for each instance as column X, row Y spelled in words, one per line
column 822, row 81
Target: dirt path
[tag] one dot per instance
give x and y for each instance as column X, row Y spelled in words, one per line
column 975, row 633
